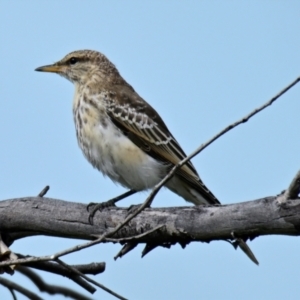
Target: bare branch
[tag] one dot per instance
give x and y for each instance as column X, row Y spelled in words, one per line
column 59, row 270
column 13, row 286
column 13, row 293
column 49, row 288
column 248, row 219
column 294, row 188
column 92, row 268
column 44, row 191
column 72, row 272
column 90, row 280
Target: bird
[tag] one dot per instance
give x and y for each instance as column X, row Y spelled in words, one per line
column 121, row 134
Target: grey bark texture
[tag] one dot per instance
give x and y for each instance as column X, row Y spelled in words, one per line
column 44, row 216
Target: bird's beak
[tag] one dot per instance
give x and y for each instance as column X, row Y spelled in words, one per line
column 49, row 68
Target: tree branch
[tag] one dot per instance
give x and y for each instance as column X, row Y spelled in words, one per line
column 16, row 287
column 50, row 288
column 93, row 268
column 59, row 218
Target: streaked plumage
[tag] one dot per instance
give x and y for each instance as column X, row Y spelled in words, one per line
column 120, row 133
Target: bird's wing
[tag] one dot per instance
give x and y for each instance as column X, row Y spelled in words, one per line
column 145, row 128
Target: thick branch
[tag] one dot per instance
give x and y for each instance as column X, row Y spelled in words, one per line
column 35, row 216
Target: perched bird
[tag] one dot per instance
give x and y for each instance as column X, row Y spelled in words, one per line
column 120, row 134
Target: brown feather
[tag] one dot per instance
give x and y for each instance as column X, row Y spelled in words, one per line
column 145, row 128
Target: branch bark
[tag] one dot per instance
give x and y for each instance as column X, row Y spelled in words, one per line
column 44, row 216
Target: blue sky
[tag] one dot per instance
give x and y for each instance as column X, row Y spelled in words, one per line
column 202, row 65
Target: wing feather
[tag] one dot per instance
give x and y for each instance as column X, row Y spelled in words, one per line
column 142, row 124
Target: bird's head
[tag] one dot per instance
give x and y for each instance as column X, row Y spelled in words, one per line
column 82, row 66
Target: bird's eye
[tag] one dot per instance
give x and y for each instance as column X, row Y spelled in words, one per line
column 73, row 60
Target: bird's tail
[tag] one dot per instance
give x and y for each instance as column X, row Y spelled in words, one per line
column 192, row 191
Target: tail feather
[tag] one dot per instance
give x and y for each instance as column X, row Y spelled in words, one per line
column 191, row 192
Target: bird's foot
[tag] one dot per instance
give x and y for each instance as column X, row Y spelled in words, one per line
column 109, row 203
column 98, row 206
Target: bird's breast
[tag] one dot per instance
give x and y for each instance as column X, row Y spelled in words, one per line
column 110, row 151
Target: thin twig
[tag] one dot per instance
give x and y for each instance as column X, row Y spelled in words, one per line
column 92, row 268
column 292, row 191
column 12, row 285
column 44, row 191
column 294, row 188
column 52, row 257
column 13, row 294
column 89, row 279
column 55, row 268
column 135, row 237
column 49, row 288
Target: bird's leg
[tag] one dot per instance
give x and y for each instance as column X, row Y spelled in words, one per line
column 102, row 205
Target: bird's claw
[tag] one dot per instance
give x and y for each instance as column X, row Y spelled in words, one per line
column 98, row 206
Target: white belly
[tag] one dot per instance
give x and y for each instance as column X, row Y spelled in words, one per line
column 112, row 153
